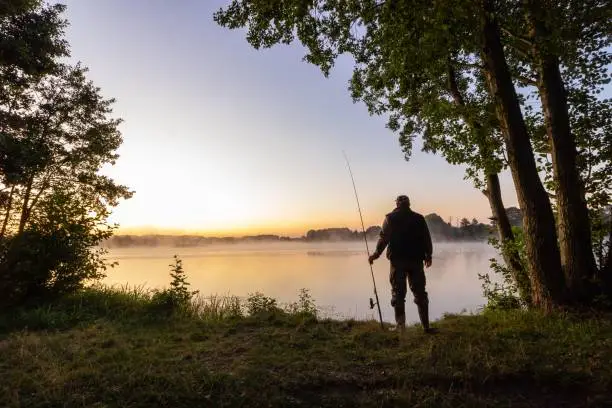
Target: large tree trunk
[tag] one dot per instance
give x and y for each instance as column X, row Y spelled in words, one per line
column 573, row 224
column 547, row 280
column 493, row 192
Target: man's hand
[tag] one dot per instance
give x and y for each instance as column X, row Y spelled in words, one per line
column 427, row 263
column 372, row 258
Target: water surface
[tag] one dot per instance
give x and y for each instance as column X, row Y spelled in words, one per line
column 337, row 274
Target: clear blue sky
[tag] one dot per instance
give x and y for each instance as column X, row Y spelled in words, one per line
column 222, row 138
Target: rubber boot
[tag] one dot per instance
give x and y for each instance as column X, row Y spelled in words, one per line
column 400, row 317
column 423, row 308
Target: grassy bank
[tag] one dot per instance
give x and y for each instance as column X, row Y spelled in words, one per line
column 107, row 348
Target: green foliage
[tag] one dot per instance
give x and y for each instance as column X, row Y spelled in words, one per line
column 138, row 305
column 579, row 36
column 83, row 307
column 305, row 306
column 502, row 291
column 405, row 54
column 179, row 285
column 217, row 308
column 419, row 62
column 591, row 124
column 257, row 304
column 601, row 224
column 178, row 297
column 56, row 134
column 31, row 39
column 58, row 254
column 423, row 64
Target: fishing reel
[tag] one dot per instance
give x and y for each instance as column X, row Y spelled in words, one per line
column 372, row 303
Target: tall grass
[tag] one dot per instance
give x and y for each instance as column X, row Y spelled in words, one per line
column 128, row 304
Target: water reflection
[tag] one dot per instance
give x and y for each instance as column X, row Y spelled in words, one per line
column 337, row 274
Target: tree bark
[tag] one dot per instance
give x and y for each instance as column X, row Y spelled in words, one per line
column 573, row 223
column 493, row 193
column 547, row 280
column 7, row 214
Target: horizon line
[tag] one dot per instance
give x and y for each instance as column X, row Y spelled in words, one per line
column 290, row 232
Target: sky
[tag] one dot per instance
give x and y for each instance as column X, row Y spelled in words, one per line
column 223, row 139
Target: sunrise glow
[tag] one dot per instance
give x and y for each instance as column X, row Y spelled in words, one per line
column 222, row 139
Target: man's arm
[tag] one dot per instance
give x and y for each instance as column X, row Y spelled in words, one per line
column 428, row 244
column 383, row 240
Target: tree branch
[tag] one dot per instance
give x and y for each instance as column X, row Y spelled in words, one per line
column 452, row 85
column 587, row 180
column 526, row 80
column 44, row 186
column 524, row 40
column 7, row 214
column 523, row 53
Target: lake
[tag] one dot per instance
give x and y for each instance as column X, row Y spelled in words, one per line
column 337, row 274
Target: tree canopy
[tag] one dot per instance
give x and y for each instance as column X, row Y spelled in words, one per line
column 462, row 75
column 57, row 132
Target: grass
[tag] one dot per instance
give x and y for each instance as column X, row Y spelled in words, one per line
column 109, row 347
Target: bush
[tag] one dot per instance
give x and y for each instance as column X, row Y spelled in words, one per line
column 44, row 264
column 305, row 306
column 177, row 298
column 258, row 303
column 505, row 294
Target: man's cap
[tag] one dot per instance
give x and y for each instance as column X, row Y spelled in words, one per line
column 401, row 199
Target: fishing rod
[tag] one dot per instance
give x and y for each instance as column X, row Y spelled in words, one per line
column 372, row 304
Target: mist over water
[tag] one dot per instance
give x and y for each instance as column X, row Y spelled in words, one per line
column 337, row 274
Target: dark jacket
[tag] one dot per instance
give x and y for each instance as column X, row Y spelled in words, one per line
column 406, row 236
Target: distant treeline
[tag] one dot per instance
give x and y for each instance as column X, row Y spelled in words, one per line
column 440, row 231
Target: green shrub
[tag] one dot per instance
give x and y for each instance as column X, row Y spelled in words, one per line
column 44, row 264
column 258, row 303
column 506, row 294
column 305, row 306
column 177, row 298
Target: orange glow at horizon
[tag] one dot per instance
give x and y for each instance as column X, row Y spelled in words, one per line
column 296, row 228
column 222, row 140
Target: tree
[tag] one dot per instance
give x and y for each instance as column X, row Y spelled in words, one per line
column 30, row 44
column 56, row 254
column 56, row 133
column 476, row 125
column 548, row 284
column 60, row 130
column 401, row 52
column 31, row 38
column 559, row 46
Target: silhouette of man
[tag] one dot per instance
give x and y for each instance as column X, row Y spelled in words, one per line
column 406, row 236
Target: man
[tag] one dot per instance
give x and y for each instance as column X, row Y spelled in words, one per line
column 409, row 246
